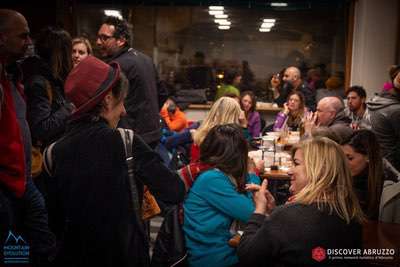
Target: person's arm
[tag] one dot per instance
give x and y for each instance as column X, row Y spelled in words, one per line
column 177, row 123
column 45, row 123
column 220, row 193
column 164, row 184
column 254, row 124
column 280, row 121
column 260, row 241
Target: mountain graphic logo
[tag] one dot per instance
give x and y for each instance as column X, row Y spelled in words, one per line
column 15, row 250
column 16, row 239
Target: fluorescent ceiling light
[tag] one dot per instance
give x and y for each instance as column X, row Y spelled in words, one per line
column 113, row 13
column 224, row 22
column 221, row 21
column 264, row 30
column 222, row 16
column 279, row 4
column 269, row 20
column 267, row 24
column 216, row 12
column 216, row 8
column 223, row 27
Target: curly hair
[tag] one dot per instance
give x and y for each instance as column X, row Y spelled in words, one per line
column 121, row 27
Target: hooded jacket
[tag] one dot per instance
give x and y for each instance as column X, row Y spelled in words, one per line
column 385, row 121
column 341, row 126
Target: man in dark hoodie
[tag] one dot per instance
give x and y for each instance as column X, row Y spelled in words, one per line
column 385, row 119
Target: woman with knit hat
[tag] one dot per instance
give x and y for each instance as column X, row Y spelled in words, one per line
column 90, row 167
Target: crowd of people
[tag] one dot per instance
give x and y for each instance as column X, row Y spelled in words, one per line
column 66, row 108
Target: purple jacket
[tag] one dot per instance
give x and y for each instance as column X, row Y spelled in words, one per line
column 254, row 124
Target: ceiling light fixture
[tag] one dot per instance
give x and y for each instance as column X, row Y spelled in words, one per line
column 269, row 20
column 267, row 25
column 223, row 27
column 113, row 13
column 222, row 16
column 216, row 8
column 279, row 4
column 216, row 12
column 220, row 20
column 224, row 23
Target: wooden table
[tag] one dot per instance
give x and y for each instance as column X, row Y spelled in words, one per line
column 276, row 175
column 278, row 184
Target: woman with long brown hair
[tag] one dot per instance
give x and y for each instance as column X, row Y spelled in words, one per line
column 44, row 77
column 218, row 197
column 368, row 169
column 248, row 104
column 292, row 114
column 324, row 211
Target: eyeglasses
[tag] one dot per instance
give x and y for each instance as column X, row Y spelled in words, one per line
column 104, row 37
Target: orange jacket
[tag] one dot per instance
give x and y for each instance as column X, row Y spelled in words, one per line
column 177, row 121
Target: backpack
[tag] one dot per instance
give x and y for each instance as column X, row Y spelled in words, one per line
column 170, row 248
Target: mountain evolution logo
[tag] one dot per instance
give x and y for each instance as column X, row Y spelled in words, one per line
column 15, row 249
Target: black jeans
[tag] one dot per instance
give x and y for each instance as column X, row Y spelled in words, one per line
column 35, row 225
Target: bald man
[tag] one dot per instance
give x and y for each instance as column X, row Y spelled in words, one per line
column 292, row 82
column 330, row 114
column 21, row 203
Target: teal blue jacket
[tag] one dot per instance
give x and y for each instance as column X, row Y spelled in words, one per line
column 211, row 206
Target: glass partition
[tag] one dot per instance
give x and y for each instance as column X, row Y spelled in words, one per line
column 194, row 46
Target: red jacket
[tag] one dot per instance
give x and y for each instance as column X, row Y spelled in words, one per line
column 12, row 158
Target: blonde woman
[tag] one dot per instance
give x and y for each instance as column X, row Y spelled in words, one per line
column 323, row 214
column 225, row 110
column 81, row 48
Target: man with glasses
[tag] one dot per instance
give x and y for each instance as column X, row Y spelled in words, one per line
column 329, row 114
column 144, row 98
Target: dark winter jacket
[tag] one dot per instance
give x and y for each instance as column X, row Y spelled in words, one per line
column 92, row 181
column 289, row 235
column 142, row 102
column 385, row 121
column 47, row 109
column 341, row 126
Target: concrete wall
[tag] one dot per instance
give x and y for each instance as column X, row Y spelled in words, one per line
column 375, row 42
